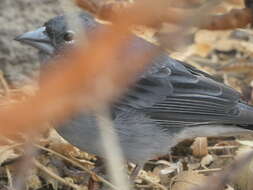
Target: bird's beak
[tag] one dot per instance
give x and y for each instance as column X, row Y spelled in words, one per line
column 38, row 39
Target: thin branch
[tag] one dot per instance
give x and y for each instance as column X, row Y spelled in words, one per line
column 151, row 182
column 9, row 176
column 55, row 176
column 112, row 149
column 78, row 165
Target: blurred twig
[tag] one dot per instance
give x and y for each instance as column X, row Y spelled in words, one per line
column 196, row 18
column 60, row 92
column 114, row 155
column 24, row 166
column 236, row 18
column 4, row 84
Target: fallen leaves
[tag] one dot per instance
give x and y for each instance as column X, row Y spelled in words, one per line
column 188, row 180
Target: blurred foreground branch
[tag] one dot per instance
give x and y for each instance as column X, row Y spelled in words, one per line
column 235, row 18
column 89, row 77
column 83, row 75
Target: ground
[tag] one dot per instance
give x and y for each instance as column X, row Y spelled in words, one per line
column 19, row 62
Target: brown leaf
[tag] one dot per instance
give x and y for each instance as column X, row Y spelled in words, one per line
column 33, row 181
column 206, row 160
column 199, row 147
column 244, row 177
column 188, row 180
column 6, row 153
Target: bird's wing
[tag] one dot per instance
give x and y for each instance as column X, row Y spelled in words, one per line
column 172, row 92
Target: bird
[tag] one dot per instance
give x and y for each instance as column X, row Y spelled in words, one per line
column 170, row 101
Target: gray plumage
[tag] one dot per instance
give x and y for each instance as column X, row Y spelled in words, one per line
column 170, row 101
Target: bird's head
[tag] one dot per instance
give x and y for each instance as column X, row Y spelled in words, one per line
column 55, row 34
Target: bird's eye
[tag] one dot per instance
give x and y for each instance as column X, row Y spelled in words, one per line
column 68, row 36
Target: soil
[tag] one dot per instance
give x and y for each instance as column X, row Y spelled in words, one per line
column 19, row 62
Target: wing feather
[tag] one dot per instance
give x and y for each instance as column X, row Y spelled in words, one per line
column 166, row 99
column 175, row 92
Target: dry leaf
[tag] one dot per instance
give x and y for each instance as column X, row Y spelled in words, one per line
column 55, row 183
column 246, row 143
column 149, row 176
column 193, row 166
column 228, row 187
column 206, row 160
column 166, row 171
column 6, row 153
column 202, row 49
column 33, row 181
column 245, row 176
column 210, row 37
column 29, row 90
column 188, row 180
column 199, row 147
column 241, row 67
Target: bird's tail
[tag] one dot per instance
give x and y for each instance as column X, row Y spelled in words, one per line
column 245, row 119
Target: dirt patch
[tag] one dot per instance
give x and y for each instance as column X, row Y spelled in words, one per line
column 19, row 62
